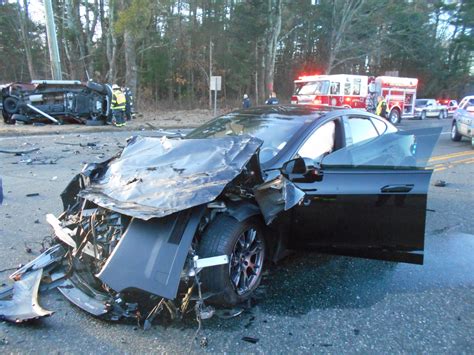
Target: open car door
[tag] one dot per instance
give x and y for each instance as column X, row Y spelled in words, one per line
column 369, row 199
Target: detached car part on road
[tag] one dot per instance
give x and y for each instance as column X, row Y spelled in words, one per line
column 463, row 121
column 196, row 219
column 55, row 101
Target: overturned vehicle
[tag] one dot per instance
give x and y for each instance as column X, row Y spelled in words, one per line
column 195, row 220
column 56, row 101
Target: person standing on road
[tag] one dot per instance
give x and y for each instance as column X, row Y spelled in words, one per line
column 128, row 103
column 381, row 109
column 272, row 99
column 118, row 106
column 246, row 101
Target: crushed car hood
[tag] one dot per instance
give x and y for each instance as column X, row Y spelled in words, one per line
column 155, row 177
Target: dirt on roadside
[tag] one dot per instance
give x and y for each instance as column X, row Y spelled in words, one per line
column 143, row 121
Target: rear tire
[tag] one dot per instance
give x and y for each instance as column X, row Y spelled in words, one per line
column 455, row 136
column 235, row 282
column 442, row 115
column 394, row 116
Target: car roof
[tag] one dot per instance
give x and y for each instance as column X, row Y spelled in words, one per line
column 294, row 111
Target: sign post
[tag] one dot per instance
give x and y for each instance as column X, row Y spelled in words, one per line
column 216, row 84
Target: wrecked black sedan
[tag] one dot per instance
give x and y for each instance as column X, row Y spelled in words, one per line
column 56, row 101
column 197, row 219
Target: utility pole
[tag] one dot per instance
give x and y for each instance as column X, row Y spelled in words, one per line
column 210, row 74
column 52, row 42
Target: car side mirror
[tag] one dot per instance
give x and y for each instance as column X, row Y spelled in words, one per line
column 300, row 169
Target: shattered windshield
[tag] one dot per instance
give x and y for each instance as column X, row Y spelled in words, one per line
column 275, row 130
column 314, row 87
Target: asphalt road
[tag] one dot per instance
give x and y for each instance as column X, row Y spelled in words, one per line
column 308, row 303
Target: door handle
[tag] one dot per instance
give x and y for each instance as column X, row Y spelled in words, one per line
column 397, row 188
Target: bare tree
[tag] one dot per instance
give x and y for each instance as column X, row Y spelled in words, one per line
column 268, row 48
column 23, row 18
column 343, row 16
column 111, row 45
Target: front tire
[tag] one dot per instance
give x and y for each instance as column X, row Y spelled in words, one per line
column 244, row 244
column 423, row 115
column 455, row 136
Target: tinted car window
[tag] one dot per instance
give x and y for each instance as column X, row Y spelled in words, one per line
column 420, row 103
column 361, row 129
column 275, row 130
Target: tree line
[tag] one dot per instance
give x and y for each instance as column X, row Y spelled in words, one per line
column 165, row 50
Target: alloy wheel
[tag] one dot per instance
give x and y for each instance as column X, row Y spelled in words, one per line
column 246, row 262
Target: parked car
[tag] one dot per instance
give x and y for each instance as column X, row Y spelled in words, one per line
column 463, row 121
column 55, row 101
column 198, row 218
column 425, row 108
column 451, row 105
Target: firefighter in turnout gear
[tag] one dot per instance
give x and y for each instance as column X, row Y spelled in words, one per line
column 118, row 106
column 381, row 109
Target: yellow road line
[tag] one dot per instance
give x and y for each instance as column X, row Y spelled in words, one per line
column 451, row 164
column 451, row 155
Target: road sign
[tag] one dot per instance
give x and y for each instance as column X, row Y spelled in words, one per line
column 216, row 83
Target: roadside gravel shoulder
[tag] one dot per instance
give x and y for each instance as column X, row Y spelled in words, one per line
column 144, row 121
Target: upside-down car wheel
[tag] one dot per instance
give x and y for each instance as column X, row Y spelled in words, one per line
column 244, row 244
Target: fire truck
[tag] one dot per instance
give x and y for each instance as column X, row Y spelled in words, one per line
column 358, row 91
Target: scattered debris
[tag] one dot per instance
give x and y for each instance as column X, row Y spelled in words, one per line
column 203, row 342
column 151, row 126
column 19, row 152
column 7, row 269
column 32, row 194
column 24, row 305
column 250, row 340
column 1, row 191
column 28, row 249
column 89, row 144
column 229, row 313
column 440, row 183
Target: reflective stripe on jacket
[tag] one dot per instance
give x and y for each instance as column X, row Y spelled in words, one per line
column 118, row 101
column 381, row 109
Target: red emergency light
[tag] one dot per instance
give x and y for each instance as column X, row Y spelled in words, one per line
column 310, row 76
